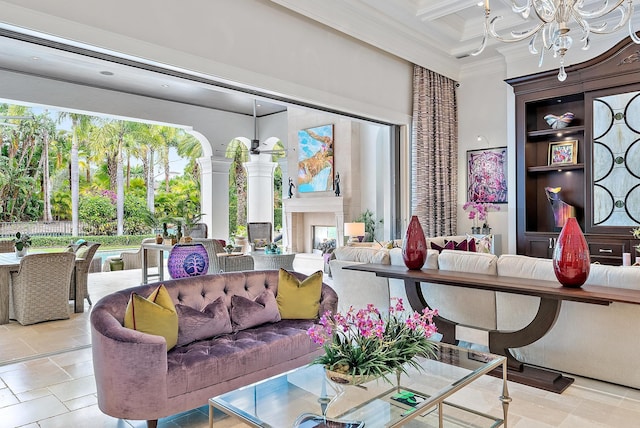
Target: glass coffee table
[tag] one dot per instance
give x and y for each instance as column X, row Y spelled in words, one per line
column 299, row 397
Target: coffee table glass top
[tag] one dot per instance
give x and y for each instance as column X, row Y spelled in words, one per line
column 290, row 399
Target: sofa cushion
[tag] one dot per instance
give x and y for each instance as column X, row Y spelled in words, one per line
column 299, row 299
column 247, row 313
column 363, row 255
column 155, row 314
column 466, row 261
column 195, row 325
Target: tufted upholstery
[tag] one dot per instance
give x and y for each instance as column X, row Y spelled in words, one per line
column 137, row 379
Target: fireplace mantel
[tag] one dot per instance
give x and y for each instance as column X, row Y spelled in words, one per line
column 298, row 230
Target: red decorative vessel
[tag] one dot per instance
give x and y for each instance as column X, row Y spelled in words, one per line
column 414, row 247
column 571, row 261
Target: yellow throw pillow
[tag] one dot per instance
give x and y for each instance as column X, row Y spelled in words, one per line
column 154, row 315
column 299, row 299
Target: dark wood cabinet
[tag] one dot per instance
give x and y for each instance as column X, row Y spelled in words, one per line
column 614, row 72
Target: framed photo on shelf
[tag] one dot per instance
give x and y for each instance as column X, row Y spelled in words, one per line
column 487, row 175
column 563, row 152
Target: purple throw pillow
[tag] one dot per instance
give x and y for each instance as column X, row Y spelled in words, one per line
column 194, row 325
column 449, row 245
column 247, row 313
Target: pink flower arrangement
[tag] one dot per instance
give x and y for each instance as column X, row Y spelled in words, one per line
column 364, row 343
column 479, row 210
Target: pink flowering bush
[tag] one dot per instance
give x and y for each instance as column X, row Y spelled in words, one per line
column 364, row 343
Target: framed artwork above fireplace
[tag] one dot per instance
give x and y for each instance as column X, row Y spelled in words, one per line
column 315, row 159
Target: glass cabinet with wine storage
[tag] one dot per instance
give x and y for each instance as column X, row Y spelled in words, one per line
column 580, row 140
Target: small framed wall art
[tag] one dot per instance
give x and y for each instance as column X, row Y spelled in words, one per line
column 563, row 152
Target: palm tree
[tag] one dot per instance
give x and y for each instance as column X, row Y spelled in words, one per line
column 80, row 125
column 237, row 151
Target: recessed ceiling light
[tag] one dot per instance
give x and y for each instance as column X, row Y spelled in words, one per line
column 164, row 85
column 106, row 73
column 35, row 58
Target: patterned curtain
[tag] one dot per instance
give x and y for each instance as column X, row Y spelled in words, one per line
column 434, row 152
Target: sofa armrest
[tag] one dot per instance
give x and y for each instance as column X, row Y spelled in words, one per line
column 122, row 357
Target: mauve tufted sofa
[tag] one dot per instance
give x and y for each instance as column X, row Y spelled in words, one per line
column 137, row 379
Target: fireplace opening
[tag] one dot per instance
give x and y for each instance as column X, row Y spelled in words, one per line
column 324, row 239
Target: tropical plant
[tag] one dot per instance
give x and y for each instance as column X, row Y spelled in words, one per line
column 21, row 241
column 366, row 344
column 370, row 224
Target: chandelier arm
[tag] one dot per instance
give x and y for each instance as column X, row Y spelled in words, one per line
column 543, row 18
column 624, row 18
column 514, row 37
column 516, row 8
column 633, row 35
column 604, row 10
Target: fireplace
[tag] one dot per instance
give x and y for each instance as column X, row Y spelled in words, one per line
column 323, row 238
column 302, row 214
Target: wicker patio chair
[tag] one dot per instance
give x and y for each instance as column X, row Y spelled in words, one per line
column 259, row 234
column 229, row 264
column 40, row 288
column 7, row 246
column 133, row 259
column 79, row 278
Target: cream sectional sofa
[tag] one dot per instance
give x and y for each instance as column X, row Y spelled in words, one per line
column 595, row 341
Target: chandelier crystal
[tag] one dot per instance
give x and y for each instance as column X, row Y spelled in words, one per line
column 552, row 19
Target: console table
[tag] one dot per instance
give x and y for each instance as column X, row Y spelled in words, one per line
column 551, row 294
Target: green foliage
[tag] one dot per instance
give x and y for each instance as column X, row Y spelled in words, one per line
column 105, row 241
column 98, row 213
column 137, row 218
column 370, row 224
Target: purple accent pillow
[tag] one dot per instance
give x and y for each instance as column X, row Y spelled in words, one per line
column 472, row 245
column 194, row 325
column 461, row 246
column 247, row 313
column 449, row 245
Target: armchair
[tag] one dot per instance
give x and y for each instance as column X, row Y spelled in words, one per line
column 40, row 288
column 259, row 234
column 133, row 259
column 7, row 246
column 79, row 277
column 224, row 264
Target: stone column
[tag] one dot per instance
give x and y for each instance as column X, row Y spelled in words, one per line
column 214, row 195
column 260, row 190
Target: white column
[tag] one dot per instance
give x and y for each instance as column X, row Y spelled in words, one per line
column 260, row 190
column 284, row 167
column 214, row 195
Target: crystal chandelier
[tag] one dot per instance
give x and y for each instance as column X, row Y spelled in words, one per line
column 551, row 29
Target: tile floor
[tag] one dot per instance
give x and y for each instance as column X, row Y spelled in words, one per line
column 46, row 380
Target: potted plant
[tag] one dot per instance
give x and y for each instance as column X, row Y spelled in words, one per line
column 22, row 242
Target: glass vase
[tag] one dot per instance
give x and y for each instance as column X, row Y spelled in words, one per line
column 414, row 246
column 571, row 261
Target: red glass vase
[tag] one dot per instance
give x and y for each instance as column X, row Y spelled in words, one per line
column 571, row 261
column 414, row 246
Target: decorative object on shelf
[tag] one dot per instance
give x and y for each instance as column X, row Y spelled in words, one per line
column 362, row 345
column 159, row 239
column 552, row 21
column 561, row 210
column 21, row 242
column 487, row 175
column 571, row 261
column 291, row 187
column 559, row 122
column 187, row 260
column 414, row 246
column 479, row 212
column 355, row 231
column 563, row 152
column 315, row 159
column 337, row 184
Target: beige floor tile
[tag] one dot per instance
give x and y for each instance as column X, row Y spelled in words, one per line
column 74, row 388
column 33, row 394
column 80, row 402
column 32, row 411
column 86, row 417
column 7, row 398
column 34, row 375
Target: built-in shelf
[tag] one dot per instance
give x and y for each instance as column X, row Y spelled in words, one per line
column 569, row 130
column 551, row 168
